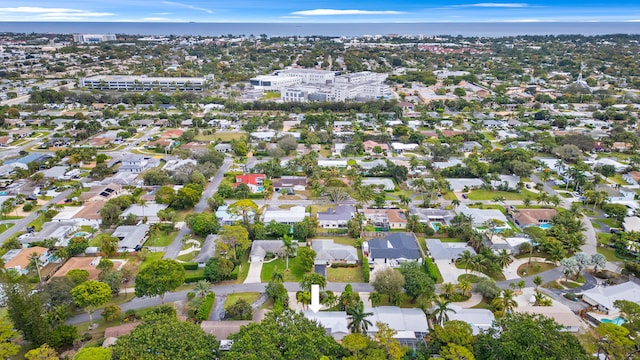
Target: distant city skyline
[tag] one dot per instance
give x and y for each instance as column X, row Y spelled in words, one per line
column 326, row 11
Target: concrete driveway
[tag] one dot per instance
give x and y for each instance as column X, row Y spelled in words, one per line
column 253, row 277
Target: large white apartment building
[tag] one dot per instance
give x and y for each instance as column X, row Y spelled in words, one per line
column 274, row 82
column 93, row 38
column 143, row 83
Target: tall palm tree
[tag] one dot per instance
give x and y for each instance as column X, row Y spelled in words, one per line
column 441, row 310
column 447, row 289
column 465, row 259
column 465, row 287
column 455, row 203
column 202, row 288
column 358, row 322
column 35, row 263
column 504, row 259
column 404, row 199
column 304, row 298
column 289, row 248
column 505, row 301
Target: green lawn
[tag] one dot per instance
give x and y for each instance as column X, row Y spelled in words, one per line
column 610, row 222
column 222, row 136
column 535, row 268
column 151, row 258
column 37, row 223
column 345, row 274
column 5, row 227
column 250, row 297
column 450, row 240
column 609, row 253
column 617, row 178
column 244, row 267
column 294, row 274
column 160, row 238
column 490, row 194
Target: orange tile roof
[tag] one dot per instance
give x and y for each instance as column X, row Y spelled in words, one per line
column 21, row 260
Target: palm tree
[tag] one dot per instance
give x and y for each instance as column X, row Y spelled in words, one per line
column 537, row 281
column 289, row 248
column 202, row 288
column 455, row 203
column 465, row 286
column 504, row 259
column 277, row 276
column 465, row 259
column 35, row 263
column 527, row 201
column 505, row 301
column 358, row 322
column 447, row 289
column 441, row 310
column 404, row 199
column 304, row 298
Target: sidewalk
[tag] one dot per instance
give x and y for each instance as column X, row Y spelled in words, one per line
column 475, row 299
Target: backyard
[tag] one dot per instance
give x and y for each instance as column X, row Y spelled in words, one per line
column 161, row 238
column 345, row 274
column 295, row 273
column 491, row 194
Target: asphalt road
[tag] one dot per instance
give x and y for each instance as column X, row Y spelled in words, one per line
column 173, row 249
column 220, row 290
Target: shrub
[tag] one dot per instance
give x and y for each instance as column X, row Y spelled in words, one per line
column 365, row 269
column 343, row 265
column 188, row 279
column 428, row 230
column 111, row 312
column 488, row 288
column 631, row 268
column 191, row 295
column 241, row 310
column 205, row 307
column 27, row 207
column 431, row 269
column 190, row 266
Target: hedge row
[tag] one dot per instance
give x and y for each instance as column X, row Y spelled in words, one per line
column 205, row 308
column 190, row 266
column 194, row 278
column 431, row 269
column 343, row 265
column 365, row 269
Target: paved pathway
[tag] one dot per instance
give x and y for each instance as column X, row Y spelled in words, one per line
column 450, row 272
column 218, row 308
column 511, row 271
column 255, row 268
column 475, row 299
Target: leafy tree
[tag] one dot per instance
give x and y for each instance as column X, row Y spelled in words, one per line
column 158, row 278
column 306, row 256
column 91, row 295
column 512, row 337
column 616, row 211
column 618, row 344
column 202, row 224
column 77, row 245
column 312, row 279
column 385, row 336
column 417, row 282
column 110, row 214
column 8, row 337
column 44, row 352
column 234, row 238
column 164, row 337
column 241, row 310
column 456, row 352
column 78, row 276
column 111, row 312
column 165, row 195
column 93, row 353
column 218, row 268
column 57, row 291
column 284, row 335
column 108, row 244
column 452, row 332
column 25, row 310
column 389, row 282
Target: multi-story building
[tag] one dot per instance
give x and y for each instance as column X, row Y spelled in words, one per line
column 93, row 38
column 143, row 83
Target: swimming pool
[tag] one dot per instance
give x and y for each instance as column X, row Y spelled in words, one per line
column 435, row 225
column 545, row 226
column 81, row 233
column 617, row 320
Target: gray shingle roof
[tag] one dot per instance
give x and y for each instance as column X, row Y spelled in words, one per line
column 394, row 246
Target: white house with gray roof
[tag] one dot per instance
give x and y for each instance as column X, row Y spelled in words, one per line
column 328, row 252
column 260, row 248
column 392, row 249
column 130, row 236
column 336, row 217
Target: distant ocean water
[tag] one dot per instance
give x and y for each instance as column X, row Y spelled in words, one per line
column 325, row 29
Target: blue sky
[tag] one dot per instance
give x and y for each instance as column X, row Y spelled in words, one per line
column 320, row 11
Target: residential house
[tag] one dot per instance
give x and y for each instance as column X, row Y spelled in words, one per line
column 632, row 177
column 479, row 319
column 226, row 217
column 438, row 165
column 101, row 193
column 431, row 216
column 263, row 135
column 617, row 195
column 386, row 219
column 462, row 184
column 631, row 223
column 370, row 146
column 506, row 182
column 60, row 231
column 223, row 148
column 175, row 165
column 328, row 252
column 148, row 211
column 19, row 259
column 290, row 183
column 253, row 181
column 393, row 249
column 602, row 298
column 480, row 216
column 289, row 216
column 532, row 217
column 446, row 251
column 400, row 147
column 337, row 217
column 338, row 148
column 385, row 183
column 260, row 248
column 131, row 236
column 136, row 164
column 207, row 251
column 410, row 324
column 470, row 146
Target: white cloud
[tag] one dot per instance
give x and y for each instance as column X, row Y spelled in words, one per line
column 291, row 17
column 172, row 3
column 29, row 13
column 325, row 12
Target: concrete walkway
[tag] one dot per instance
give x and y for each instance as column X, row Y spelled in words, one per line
column 511, row 271
column 475, row 299
column 253, row 277
column 450, row 272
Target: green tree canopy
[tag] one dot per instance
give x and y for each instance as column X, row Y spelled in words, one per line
column 158, row 278
column 284, row 335
column 164, row 337
column 91, row 295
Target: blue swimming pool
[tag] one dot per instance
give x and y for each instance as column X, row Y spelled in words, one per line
column 617, row 320
column 545, row 226
column 435, row 225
